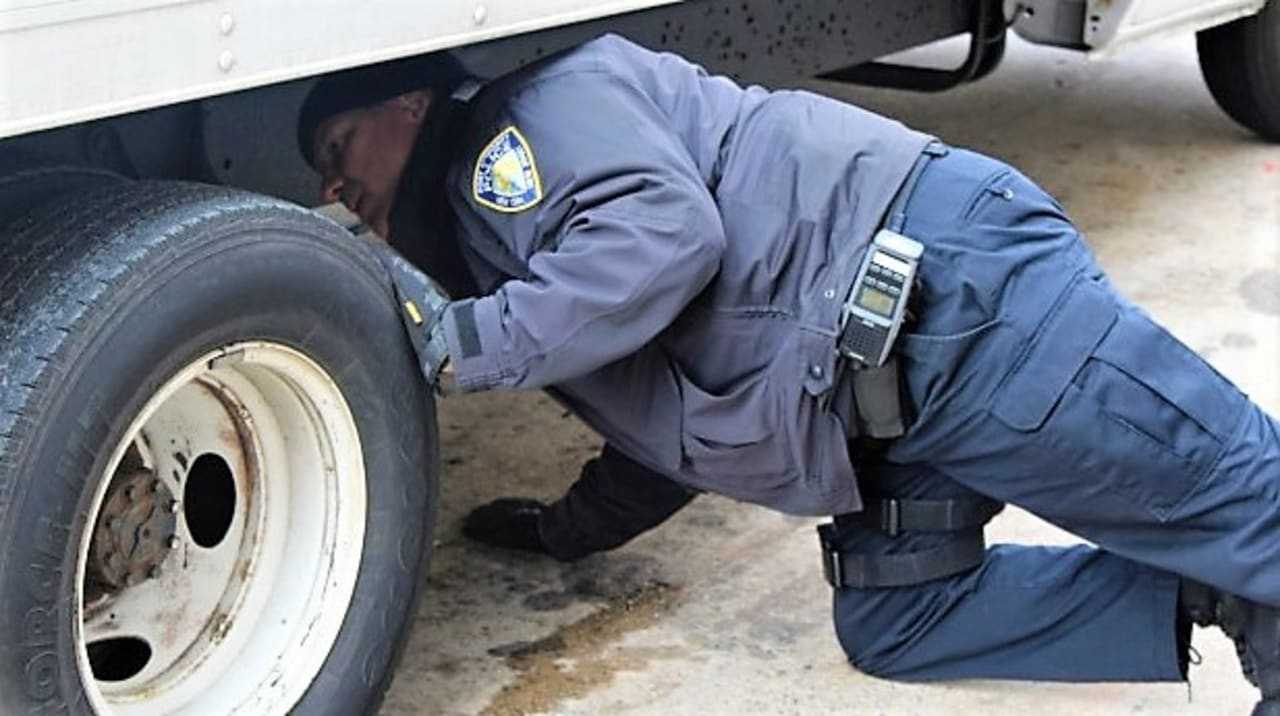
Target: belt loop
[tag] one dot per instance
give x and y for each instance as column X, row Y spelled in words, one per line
column 936, row 149
column 898, row 208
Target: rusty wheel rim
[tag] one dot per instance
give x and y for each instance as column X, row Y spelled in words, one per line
column 225, row 542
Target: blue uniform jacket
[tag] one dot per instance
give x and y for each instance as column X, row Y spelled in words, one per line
column 669, row 252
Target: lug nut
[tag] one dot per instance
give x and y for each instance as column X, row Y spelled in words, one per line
column 132, row 493
column 157, row 486
column 174, row 507
column 174, row 543
column 154, row 573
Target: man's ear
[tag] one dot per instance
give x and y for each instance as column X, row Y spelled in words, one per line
column 414, row 103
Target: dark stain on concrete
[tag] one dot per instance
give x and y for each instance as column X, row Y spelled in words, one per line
column 777, row 631
column 549, row 601
column 708, row 520
column 584, row 656
column 608, row 576
column 521, row 649
column 515, row 585
column 447, row 667
column 1261, row 292
column 1239, row 340
column 461, row 588
column 597, row 578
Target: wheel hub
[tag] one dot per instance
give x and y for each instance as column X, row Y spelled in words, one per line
column 136, row 530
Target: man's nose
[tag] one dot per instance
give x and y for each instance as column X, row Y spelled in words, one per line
column 331, row 189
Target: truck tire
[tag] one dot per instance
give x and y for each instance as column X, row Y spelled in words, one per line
column 26, row 184
column 1241, row 65
column 218, row 460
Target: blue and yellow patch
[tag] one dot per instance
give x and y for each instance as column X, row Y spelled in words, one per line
column 506, row 177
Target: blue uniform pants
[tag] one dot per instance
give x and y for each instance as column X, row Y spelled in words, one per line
column 1035, row 383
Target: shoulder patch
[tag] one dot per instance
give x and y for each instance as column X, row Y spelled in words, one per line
column 506, row 176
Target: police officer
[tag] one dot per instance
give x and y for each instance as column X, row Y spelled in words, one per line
column 671, row 255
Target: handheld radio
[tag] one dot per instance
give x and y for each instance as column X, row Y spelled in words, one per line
column 874, row 311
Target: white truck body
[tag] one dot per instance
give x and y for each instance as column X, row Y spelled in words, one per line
column 1110, row 24
column 64, row 62
column 69, row 61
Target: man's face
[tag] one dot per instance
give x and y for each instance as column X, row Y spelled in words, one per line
column 361, row 155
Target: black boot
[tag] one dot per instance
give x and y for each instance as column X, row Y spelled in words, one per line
column 1255, row 629
column 508, row 522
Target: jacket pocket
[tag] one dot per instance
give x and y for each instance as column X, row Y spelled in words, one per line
column 733, row 433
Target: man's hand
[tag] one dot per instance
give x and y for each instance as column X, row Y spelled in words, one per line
column 422, row 306
column 508, row 522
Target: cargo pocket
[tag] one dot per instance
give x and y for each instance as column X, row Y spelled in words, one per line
column 1149, row 384
column 1111, row 395
column 1083, row 314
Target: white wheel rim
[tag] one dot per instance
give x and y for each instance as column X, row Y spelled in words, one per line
column 243, row 624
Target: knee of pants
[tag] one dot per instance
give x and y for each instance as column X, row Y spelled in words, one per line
column 873, row 663
column 876, row 627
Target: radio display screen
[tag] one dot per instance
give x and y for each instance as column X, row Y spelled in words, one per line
column 876, row 301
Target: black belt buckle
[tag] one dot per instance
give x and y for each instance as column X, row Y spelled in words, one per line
column 891, row 517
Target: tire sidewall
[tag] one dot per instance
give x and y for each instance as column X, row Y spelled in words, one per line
column 257, row 279
column 1240, row 62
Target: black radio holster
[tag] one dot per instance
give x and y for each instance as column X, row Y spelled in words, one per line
column 877, row 393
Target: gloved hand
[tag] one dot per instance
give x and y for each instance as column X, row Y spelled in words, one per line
column 509, row 522
column 422, row 306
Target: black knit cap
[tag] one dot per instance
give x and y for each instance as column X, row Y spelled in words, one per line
column 367, row 86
